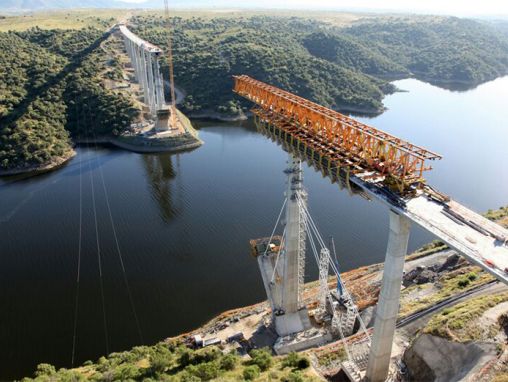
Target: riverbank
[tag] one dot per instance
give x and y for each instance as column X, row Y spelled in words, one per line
column 52, row 165
column 160, row 143
column 185, row 142
column 251, row 328
column 438, row 285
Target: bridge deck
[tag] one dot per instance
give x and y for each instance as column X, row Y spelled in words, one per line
column 480, row 248
column 138, row 40
column 461, row 228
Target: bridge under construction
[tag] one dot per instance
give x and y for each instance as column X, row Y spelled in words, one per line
column 378, row 166
column 145, row 58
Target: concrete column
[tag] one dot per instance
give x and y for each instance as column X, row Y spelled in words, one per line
column 388, row 303
column 135, row 60
column 152, row 95
column 293, row 223
column 159, row 84
column 143, row 75
column 292, row 319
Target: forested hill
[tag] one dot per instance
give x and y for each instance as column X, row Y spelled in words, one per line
column 346, row 67
column 50, row 80
column 440, row 50
column 50, row 89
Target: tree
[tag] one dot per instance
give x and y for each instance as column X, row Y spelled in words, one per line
column 45, row 369
column 229, row 361
column 262, row 358
column 251, row 372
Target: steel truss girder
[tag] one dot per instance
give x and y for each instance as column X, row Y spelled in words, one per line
column 370, row 148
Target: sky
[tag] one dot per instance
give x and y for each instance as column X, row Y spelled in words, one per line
column 451, row 7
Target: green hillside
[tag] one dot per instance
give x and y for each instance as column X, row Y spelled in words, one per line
column 174, row 362
column 344, row 68
column 438, row 49
column 51, row 88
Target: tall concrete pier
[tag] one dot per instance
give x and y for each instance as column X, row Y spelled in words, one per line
column 294, row 257
column 387, row 169
column 283, row 273
column 145, row 60
column 388, row 304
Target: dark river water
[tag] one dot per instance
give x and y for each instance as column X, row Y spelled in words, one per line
column 183, row 222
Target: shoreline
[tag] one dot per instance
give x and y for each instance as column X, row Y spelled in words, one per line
column 156, row 149
column 185, row 142
column 215, row 116
column 40, row 169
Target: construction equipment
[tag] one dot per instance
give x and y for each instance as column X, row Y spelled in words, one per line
column 349, row 143
column 281, row 260
column 170, row 63
column 377, row 166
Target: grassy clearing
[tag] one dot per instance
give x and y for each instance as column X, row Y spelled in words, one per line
column 68, row 19
column 325, row 359
column 459, row 323
column 500, row 216
column 427, row 250
column 448, row 285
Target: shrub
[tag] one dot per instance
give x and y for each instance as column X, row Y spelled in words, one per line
column 251, row 372
column 186, row 356
column 159, row 363
column 262, row 358
column 207, row 355
column 295, row 361
column 463, row 282
column 303, row 363
column 291, row 360
column 204, row 371
column 126, row 372
column 45, row 369
column 228, row 362
column 188, row 377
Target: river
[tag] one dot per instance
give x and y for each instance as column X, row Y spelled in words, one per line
column 183, row 222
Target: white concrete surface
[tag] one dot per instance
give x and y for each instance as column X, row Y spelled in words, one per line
column 145, row 60
column 388, row 304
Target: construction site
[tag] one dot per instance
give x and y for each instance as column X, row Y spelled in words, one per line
column 362, row 160
column 376, row 166
column 159, row 125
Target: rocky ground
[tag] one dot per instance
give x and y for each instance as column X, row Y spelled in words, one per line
column 432, row 275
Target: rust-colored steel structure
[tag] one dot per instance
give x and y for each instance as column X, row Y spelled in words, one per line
column 347, row 142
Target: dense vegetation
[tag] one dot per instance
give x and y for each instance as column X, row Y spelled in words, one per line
column 209, row 52
column 50, row 80
column 344, row 68
column 50, row 87
column 439, row 50
column 177, row 363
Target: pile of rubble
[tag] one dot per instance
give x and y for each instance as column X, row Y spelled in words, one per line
column 426, row 274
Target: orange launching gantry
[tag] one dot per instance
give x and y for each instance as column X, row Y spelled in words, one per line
column 346, row 142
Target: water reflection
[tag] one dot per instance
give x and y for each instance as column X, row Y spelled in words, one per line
column 160, row 174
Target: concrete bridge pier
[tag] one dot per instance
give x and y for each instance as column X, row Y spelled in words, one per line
column 294, row 319
column 388, row 303
column 145, row 61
